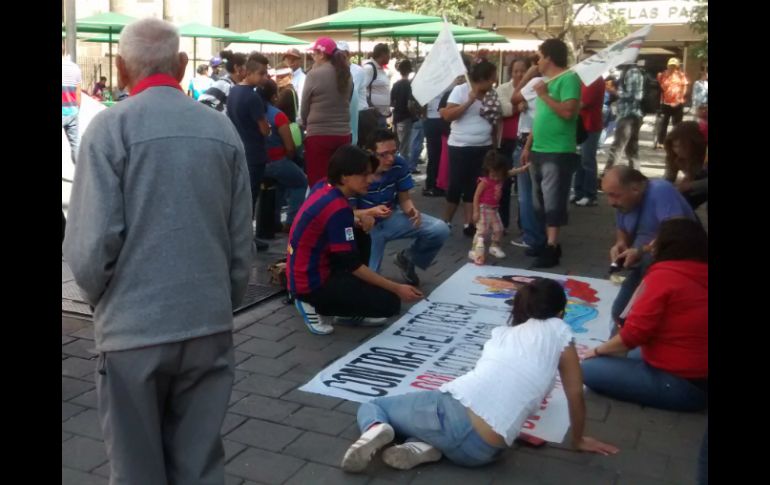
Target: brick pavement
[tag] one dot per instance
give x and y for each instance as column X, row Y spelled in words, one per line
column 275, row 434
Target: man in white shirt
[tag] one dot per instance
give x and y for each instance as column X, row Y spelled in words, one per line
column 293, row 59
column 358, row 100
column 378, row 82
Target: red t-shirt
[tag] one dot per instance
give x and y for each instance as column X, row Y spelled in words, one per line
column 592, row 99
column 277, row 151
column 669, row 318
column 511, row 126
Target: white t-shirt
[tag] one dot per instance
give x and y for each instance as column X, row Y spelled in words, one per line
column 380, row 86
column 516, row 371
column 298, row 81
column 470, row 130
column 359, row 85
column 526, row 118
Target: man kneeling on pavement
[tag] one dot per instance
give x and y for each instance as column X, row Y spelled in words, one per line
column 396, row 217
column 324, row 270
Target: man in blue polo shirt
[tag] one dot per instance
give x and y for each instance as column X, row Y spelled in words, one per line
column 642, row 205
column 388, row 201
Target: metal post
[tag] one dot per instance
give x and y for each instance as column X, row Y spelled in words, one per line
column 71, row 29
column 360, row 53
column 109, row 41
column 417, row 40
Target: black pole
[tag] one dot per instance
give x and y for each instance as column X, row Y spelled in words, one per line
column 360, row 53
column 109, row 31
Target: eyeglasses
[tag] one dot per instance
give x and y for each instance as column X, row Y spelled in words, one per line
column 390, row 153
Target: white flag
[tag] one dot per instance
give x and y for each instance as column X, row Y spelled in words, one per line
column 621, row 52
column 441, row 67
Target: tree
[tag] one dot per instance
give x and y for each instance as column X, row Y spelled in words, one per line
column 699, row 23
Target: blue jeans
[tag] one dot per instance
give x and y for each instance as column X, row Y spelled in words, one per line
column 416, row 142
column 534, row 229
column 429, row 237
column 432, row 417
column 628, row 287
column 291, row 185
column 632, row 379
column 585, row 176
column 70, row 125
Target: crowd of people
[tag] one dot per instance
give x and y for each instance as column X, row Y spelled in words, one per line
column 163, row 248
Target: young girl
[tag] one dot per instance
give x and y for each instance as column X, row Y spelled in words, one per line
column 472, row 419
column 486, row 201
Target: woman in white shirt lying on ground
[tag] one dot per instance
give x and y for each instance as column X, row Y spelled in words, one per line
column 472, row 419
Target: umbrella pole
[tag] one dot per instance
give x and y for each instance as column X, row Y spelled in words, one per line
column 418, row 48
column 360, row 54
column 195, row 53
column 110, row 57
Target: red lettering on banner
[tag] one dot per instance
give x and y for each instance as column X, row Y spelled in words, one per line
column 431, row 382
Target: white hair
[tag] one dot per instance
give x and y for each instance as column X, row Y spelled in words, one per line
column 149, row 46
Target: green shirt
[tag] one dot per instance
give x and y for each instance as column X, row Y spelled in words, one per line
column 551, row 132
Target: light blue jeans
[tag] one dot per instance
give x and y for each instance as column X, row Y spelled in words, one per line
column 534, row 229
column 415, row 146
column 70, row 125
column 585, row 176
column 291, row 185
column 432, row 417
column 429, row 237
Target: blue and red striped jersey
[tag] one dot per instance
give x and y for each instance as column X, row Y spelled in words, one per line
column 323, row 226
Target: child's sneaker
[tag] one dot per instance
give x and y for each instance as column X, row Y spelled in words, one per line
column 410, row 454
column 496, row 251
column 476, row 256
column 313, row 321
column 360, row 453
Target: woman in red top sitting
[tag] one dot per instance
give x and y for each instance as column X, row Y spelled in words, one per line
column 668, row 322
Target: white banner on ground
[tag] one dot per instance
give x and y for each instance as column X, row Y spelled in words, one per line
column 623, row 51
column 441, row 338
column 441, row 67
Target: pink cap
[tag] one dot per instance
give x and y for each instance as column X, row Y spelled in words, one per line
column 325, row 45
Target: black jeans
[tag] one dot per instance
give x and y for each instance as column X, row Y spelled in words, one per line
column 464, row 170
column 432, row 128
column 669, row 112
column 345, row 295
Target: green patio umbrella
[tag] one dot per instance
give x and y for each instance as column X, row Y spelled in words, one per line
column 101, row 38
column 262, row 36
column 363, row 18
column 431, row 30
column 104, row 23
column 488, row 38
column 196, row 30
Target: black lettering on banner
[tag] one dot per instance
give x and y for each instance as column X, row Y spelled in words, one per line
column 386, row 361
column 422, row 338
column 424, row 346
column 375, row 391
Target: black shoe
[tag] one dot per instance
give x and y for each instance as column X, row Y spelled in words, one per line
column 261, row 245
column 536, row 251
column 469, row 230
column 407, row 268
column 433, row 193
column 548, row 258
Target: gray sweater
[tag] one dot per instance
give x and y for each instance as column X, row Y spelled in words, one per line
column 159, row 234
column 324, row 111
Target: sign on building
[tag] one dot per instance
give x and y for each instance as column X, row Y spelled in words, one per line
column 637, row 13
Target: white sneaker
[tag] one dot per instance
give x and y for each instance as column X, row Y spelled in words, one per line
column 313, row 321
column 360, row 453
column 519, row 243
column 496, row 252
column 410, row 454
column 361, row 321
column 585, row 202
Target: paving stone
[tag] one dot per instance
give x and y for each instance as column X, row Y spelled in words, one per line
column 518, row 468
column 348, row 407
column 266, row 366
column 558, row 453
column 239, row 338
column 86, row 333
column 231, row 422
column 638, row 462
column 239, row 356
column 265, row 385
column 264, row 348
column 662, row 443
column 351, row 432
column 320, row 420
column 84, row 424
column 312, row 399
column 80, row 348
column 232, row 480
column 266, row 332
column 68, row 410
column 245, row 318
column 70, row 325
column 306, row 340
column 263, row 466
column 308, row 357
column 264, row 435
column 102, row 471
column 450, row 474
column 65, row 436
column 232, row 448
column 633, row 479
column 324, row 475
column 274, row 319
column 240, row 375
column 302, row 373
column 65, row 339
column 318, row 448
column 680, row 470
column 73, row 387
column 77, row 367
column 622, row 437
column 82, row 453
column 236, row 396
column 560, row 473
column 630, row 415
column 261, row 407
column 87, row 399
column 75, row 477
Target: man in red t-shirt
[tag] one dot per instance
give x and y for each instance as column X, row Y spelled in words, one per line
column 591, row 101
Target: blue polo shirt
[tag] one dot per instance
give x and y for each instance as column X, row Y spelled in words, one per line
column 385, row 190
column 662, row 201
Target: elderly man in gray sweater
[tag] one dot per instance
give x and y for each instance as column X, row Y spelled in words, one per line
column 160, row 241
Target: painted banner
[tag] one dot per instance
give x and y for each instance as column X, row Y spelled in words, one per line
column 441, row 338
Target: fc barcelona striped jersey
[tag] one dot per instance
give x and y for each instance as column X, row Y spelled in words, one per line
column 323, row 226
column 70, row 79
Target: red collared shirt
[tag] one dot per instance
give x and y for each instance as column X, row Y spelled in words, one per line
column 155, row 80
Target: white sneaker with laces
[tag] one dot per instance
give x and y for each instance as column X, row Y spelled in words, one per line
column 360, row 453
column 496, row 251
column 585, row 202
column 410, row 454
column 313, row 321
column 519, row 243
column 361, row 321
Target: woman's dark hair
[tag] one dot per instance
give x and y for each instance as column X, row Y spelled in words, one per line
column 692, row 148
column 260, row 58
column 230, row 60
column 542, row 299
column 555, row 49
column 525, row 60
column 268, row 91
column 467, row 61
column 483, row 71
column 494, row 163
column 378, row 136
column 341, row 64
column 286, row 103
column 379, row 50
column 405, row 67
column 681, row 239
column 350, row 160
